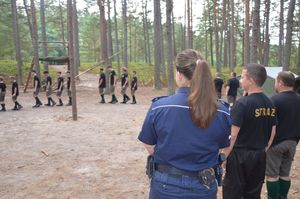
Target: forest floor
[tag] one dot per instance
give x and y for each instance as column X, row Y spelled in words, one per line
column 45, row 154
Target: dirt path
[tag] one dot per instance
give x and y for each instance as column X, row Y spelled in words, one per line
column 44, row 154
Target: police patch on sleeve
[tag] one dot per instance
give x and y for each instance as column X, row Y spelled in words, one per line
column 158, row 98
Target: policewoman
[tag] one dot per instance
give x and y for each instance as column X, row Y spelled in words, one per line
column 184, row 132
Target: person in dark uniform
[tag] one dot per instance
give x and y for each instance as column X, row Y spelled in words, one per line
column 281, row 154
column 133, row 87
column 113, row 82
column 37, row 87
column 231, row 89
column 252, row 132
column 297, row 85
column 2, row 94
column 218, row 81
column 69, row 89
column 102, row 85
column 60, row 87
column 51, row 102
column 184, row 132
column 15, row 93
column 124, row 85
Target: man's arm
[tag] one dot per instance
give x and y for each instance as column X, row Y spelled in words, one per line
column 149, row 148
column 234, row 133
column 271, row 137
column 126, row 80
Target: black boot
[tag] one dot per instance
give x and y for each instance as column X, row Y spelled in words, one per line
column 3, row 107
column 114, row 99
column 70, row 101
column 15, row 107
column 124, row 99
column 133, row 100
column 52, row 101
column 60, row 103
column 19, row 106
column 102, row 99
column 49, row 102
column 37, row 102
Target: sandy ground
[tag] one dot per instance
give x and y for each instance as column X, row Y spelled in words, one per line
column 44, row 154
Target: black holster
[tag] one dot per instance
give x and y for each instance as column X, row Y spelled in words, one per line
column 150, row 166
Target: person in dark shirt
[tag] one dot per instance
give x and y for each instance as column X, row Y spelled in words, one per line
column 102, row 85
column 218, row 81
column 60, row 87
column 15, row 93
column 281, row 154
column 133, row 87
column 124, row 85
column 113, row 82
column 231, row 89
column 69, row 89
column 2, row 94
column 51, row 102
column 37, row 87
column 252, row 133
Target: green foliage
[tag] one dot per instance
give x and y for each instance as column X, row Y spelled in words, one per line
column 10, row 68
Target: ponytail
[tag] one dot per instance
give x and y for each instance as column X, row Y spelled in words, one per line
column 202, row 98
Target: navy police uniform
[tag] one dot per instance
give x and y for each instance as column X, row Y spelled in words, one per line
column 182, row 146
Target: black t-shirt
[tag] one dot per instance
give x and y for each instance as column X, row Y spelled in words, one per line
column 69, row 83
column 112, row 77
column 36, row 80
column 2, row 87
column 123, row 79
column 287, row 105
column 103, row 83
column 134, row 83
column 49, row 81
column 233, row 84
column 15, row 89
column 60, row 82
column 218, row 84
column 255, row 115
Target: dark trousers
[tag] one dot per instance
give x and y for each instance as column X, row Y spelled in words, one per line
column 245, row 173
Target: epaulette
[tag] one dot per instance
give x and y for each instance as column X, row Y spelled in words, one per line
column 158, row 98
column 226, row 104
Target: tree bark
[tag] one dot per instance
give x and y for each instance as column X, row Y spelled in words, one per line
column 62, row 25
column 216, row 28
column 247, row 34
column 288, row 37
column 147, row 32
column 109, row 36
column 17, row 40
column 255, row 32
column 35, row 38
column 281, row 35
column 210, row 28
column 232, row 37
column 169, row 31
column 28, row 21
column 44, row 36
column 103, row 37
column 124, row 19
column 76, row 39
column 117, row 38
column 157, row 46
column 224, row 11
column 267, row 36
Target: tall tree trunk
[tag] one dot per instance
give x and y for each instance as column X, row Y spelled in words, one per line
column 76, row 39
column 288, row 37
column 174, row 33
column 205, row 32
column 169, row 31
column 298, row 60
column 255, row 32
column 109, row 36
column 44, row 36
column 28, row 21
column 224, row 11
column 147, row 32
column 247, row 34
column 267, row 36
column 35, row 38
column 157, row 46
column 117, row 39
column 281, row 35
column 189, row 25
column 62, row 25
column 232, row 37
column 124, row 18
column 103, row 38
column 216, row 28
column 210, row 35
column 163, row 63
column 17, row 40
column 144, row 32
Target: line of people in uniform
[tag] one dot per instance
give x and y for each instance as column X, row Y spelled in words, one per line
column 188, row 135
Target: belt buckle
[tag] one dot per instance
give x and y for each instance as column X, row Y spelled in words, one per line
column 206, row 177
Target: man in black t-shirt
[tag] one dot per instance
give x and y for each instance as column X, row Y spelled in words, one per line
column 112, row 84
column 51, row 102
column 60, row 87
column 281, row 154
column 37, row 87
column 124, row 85
column 231, row 89
column 133, row 87
column 2, row 94
column 218, row 81
column 69, row 89
column 15, row 93
column 102, row 85
column 252, row 133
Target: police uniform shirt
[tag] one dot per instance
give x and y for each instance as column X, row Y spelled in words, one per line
column 233, row 84
column 255, row 115
column 60, row 82
column 103, row 83
column 178, row 141
column 37, row 79
column 15, row 88
column 287, row 106
column 2, row 87
column 134, row 83
column 112, row 77
column 123, row 79
column 218, row 84
column 69, row 83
